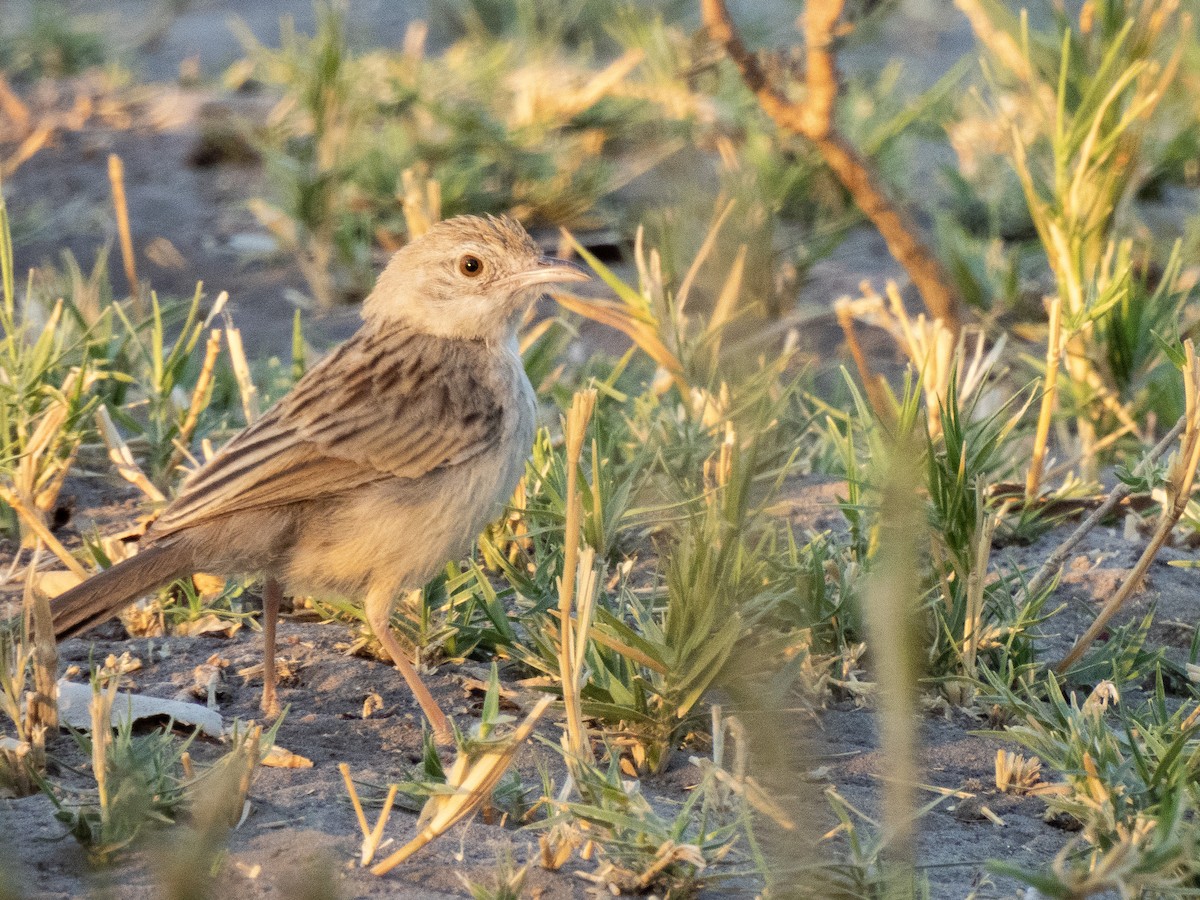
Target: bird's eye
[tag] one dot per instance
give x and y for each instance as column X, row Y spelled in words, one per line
column 470, row 265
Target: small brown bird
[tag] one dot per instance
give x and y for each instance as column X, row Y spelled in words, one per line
column 382, row 463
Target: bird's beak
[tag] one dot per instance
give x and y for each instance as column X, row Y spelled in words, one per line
column 549, row 270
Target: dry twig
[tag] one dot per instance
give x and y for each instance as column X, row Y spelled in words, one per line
column 1180, row 480
column 813, row 120
column 1055, row 560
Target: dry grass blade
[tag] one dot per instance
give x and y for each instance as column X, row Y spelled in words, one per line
column 43, row 708
column 572, row 640
column 706, row 248
column 640, row 330
column 1180, row 479
column 472, row 783
column 122, row 457
column 354, row 801
column 241, row 372
column 371, row 836
column 27, row 149
column 892, row 597
column 35, row 524
column 200, row 394
column 116, row 176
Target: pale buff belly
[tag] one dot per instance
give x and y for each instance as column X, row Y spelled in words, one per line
column 397, row 535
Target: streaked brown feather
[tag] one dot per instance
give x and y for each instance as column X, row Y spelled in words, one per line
column 389, row 403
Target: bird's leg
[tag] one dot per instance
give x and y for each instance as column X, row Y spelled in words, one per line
column 379, row 612
column 272, row 597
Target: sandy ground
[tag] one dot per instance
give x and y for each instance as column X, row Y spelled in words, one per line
column 302, row 816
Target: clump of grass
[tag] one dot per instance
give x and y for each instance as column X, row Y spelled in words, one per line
column 1128, row 778
column 353, row 130
column 22, row 756
column 144, row 783
column 46, row 394
column 507, row 882
column 162, row 412
column 53, row 42
column 1077, row 103
column 639, row 848
column 139, row 781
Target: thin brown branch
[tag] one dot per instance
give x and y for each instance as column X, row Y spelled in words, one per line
column 1180, row 480
column 813, row 120
column 1055, row 561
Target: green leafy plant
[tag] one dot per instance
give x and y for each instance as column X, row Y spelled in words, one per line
column 1130, row 776
column 53, row 42
column 46, row 393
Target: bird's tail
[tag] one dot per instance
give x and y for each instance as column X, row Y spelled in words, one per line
column 103, row 595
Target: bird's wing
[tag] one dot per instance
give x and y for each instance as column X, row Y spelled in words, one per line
column 398, row 404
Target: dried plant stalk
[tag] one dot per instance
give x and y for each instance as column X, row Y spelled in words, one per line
column 1049, row 398
column 422, row 199
column 122, row 457
column 1055, row 560
column 1180, row 479
column 872, row 384
column 939, row 358
column 35, row 524
column 570, row 657
column 200, row 395
column 27, row 149
column 241, row 372
column 101, row 715
column 39, row 625
column 985, row 526
column 893, row 596
column 1016, row 773
column 116, row 176
column 472, row 782
column 50, row 449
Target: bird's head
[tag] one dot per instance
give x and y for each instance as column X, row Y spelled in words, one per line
column 467, row 277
